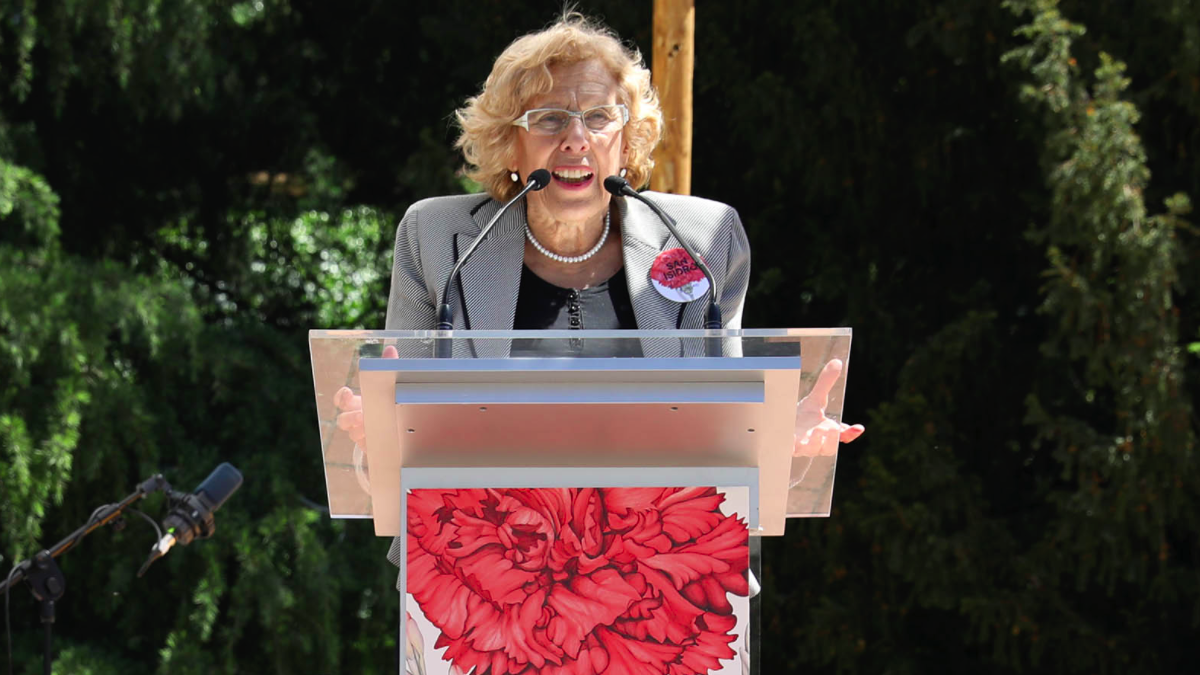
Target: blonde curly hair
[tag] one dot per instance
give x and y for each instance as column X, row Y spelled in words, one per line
column 522, row 71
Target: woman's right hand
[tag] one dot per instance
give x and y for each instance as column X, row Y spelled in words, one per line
column 350, row 419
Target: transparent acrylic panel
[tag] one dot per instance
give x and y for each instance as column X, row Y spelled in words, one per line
column 336, row 378
column 810, row 487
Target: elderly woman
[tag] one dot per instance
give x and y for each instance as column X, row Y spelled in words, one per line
column 572, row 100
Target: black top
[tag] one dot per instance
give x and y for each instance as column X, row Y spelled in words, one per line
column 606, row 306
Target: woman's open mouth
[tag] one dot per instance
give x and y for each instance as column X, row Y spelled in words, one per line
column 573, row 178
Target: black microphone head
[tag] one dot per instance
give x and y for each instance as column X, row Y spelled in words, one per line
column 539, row 178
column 220, row 484
column 616, row 185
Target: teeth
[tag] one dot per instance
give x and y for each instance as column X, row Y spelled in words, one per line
column 573, row 174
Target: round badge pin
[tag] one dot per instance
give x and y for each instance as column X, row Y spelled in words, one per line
column 677, row 277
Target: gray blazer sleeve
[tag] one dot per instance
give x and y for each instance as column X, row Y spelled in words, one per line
column 737, row 274
column 411, row 305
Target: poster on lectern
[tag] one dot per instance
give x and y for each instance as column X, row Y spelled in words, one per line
column 577, row 581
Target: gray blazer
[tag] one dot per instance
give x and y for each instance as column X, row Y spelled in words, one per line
column 435, row 231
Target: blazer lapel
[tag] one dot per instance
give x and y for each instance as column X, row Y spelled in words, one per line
column 643, row 238
column 491, row 279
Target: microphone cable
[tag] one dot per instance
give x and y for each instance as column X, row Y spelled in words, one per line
column 620, row 187
column 538, row 180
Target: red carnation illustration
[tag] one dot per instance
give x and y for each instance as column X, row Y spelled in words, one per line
column 578, row 581
column 677, row 276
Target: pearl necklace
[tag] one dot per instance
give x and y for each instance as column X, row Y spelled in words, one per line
column 565, row 259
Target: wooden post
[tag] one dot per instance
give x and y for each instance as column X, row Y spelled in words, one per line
column 672, row 62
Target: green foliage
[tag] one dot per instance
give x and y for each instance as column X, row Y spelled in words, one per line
column 1067, row 549
column 1122, row 431
column 92, row 659
column 316, row 268
column 73, row 334
column 151, row 49
column 27, row 202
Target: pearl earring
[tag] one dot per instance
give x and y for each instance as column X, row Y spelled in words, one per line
column 623, row 172
column 515, row 178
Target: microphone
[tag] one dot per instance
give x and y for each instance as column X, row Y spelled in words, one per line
column 619, row 187
column 537, row 180
column 191, row 516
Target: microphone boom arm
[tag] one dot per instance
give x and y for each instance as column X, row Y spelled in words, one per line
column 537, row 180
column 45, row 579
column 104, row 516
column 619, row 186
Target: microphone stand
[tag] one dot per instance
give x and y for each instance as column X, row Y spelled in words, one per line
column 620, row 187
column 46, row 580
column 445, row 316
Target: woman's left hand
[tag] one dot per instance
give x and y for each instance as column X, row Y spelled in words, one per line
column 816, row 434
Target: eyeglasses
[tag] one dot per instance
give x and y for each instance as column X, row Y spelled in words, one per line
column 552, row 121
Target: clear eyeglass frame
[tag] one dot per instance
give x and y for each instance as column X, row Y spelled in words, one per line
column 609, row 125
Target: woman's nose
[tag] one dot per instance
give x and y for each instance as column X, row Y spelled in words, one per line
column 575, row 137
